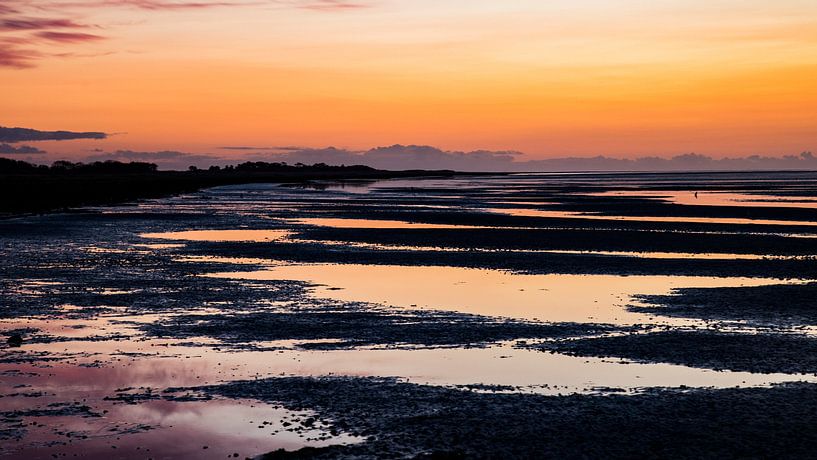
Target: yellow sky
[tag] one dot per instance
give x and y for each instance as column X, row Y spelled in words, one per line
column 549, row 78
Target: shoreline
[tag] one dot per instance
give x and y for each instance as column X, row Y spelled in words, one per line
column 38, row 193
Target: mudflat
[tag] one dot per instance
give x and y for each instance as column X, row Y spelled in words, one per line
column 524, row 315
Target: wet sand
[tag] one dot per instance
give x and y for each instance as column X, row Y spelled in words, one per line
column 410, row 421
column 417, row 318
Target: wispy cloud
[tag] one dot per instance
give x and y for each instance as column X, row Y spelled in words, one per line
column 13, row 56
column 68, row 37
column 333, row 5
column 23, row 24
column 152, row 4
column 284, row 148
column 7, row 9
column 24, row 28
column 27, row 28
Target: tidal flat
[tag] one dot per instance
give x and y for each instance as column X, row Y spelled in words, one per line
column 521, row 315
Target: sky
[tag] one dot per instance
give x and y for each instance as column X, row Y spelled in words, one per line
column 547, row 78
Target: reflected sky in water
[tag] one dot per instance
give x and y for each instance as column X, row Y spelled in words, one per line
column 551, row 297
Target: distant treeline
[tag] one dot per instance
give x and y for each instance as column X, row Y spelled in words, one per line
column 9, row 166
column 25, row 187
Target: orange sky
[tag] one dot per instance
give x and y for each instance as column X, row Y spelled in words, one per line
column 622, row 78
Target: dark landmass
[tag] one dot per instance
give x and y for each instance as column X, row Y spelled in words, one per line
column 777, row 304
column 403, row 420
column 357, row 209
column 363, row 328
column 527, row 262
column 29, row 188
column 759, row 353
column 571, row 239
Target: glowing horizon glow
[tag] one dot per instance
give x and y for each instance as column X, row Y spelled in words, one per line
column 622, row 78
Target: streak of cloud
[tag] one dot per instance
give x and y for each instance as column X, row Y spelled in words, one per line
column 68, row 37
column 22, row 34
column 333, row 5
column 15, row 57
column 284, row 148
column 153, row 5
column 13, row 135
column 23, row 24
column 8, row 149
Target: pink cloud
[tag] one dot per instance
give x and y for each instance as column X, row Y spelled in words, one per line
column 68, row 37
column 23, row 24
column 11, row 56
column 329, row 5
column 157, row 4
column 22, row 29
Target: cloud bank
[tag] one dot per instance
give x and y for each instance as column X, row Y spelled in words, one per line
column 8, row 149
column 686, row 162
column 168, row 159
column 400, row 157
column 404, row 157
column 426, row 157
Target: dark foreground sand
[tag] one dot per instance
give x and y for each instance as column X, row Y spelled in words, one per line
column 400, row 420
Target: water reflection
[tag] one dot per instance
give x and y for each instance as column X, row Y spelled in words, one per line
column 525, row 212
column 220, row 235
column 120, row 382
column 709, row 198
column 551, row 297
column 92, row 370
column 167, row 429
column 373, row 223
